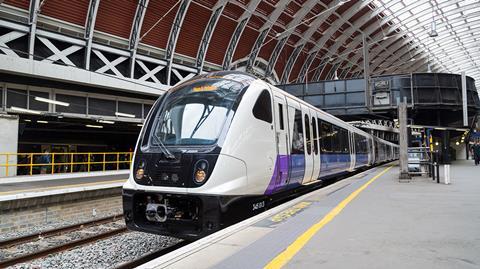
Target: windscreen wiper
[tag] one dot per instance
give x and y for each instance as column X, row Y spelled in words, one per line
column 164, row 149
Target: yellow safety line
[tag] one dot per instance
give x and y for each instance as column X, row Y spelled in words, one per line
column 281, row 259
column 63, row 186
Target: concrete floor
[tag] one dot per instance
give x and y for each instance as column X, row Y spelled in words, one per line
column 404, row 225
column 420, row 224
column 68, row 182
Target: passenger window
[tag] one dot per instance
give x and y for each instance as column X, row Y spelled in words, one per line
column 326, row 137
column 307, row 133
column 315, row 136
column 280, row 115
column 297, row 138
column 262, row 109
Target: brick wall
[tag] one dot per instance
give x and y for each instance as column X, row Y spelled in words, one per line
column 22, row 218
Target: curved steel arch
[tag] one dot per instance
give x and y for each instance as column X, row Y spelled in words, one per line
column 447, row 17
column 172, row 39
column 272, row 18
column 135, row 32
column 207, row 34
column 243, row 20
column 290, row 29
column 306, row 38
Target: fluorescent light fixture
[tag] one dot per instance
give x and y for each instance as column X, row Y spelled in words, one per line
column 27, row 120
column 94, row 126
column 19, row 109
column 440, row 128
column 106, row 121
column 140, row 125
column 42, row 121
column 50, row 101
column 120, row 114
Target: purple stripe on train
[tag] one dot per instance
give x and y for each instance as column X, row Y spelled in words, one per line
column 330, row 164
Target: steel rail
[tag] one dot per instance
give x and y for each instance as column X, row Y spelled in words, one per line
column 56, row 231
column 60, row 248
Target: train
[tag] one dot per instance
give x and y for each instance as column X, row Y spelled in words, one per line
column 225, row 145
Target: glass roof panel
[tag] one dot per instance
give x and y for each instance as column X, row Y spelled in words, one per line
column 456, row 45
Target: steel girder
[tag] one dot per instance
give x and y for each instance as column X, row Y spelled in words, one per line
column 319, row 69
column 272, row 18
column 308, row 35
column 358, row 40
column 289, row 65
column 89, row 27
column 172, row 39
column 207, row 34
column 243, row 20
column 275, row 53
column 135, row 33
column 349, row 13
column 32, row 20
column 331, row 72
column 284, row 37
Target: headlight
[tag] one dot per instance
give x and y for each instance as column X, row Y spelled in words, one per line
column 200, row 176
column 201, row 171
column 174, row 178
column 164, row 176
column 139, row 174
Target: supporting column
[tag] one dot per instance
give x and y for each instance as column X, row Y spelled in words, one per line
column 464, row 99
column 446, row 159
column 402, row 119
column 366, row 72
column 8, row 144
column 32, row 20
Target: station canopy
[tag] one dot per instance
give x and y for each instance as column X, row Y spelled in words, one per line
column 283, row 41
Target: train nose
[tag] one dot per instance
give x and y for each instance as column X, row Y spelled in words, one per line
column 156, row 212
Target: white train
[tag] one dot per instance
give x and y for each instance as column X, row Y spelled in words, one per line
column 225, row 145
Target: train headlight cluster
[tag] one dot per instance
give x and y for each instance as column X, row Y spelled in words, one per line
column 140, row 173
column 201, row 170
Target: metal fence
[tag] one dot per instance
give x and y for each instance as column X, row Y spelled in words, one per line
column 52, row 163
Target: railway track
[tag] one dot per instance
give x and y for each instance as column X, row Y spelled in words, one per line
column 58, row 247
column 150, row 256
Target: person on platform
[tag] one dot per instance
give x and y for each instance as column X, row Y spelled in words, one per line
column 45, row 161
column 476, row 152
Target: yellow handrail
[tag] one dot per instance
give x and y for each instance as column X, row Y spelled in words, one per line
column 61, row 162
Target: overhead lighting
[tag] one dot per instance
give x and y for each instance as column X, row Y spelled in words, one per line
column 140, row 125
column 457, row 143
column 440, row 128
column 42, row 121
column 50, row 101
column 27, row 120
column 94, row 126
column 19, row 109
column 120, row 114
column 106, row 121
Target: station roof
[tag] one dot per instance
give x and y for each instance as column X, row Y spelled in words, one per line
column 285, row 41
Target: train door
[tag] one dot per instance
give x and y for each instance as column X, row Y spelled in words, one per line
column 307, row 136
column 296, row 140
column 371, row 156
column 353, row 158
column 281, row 137
column 316, row 146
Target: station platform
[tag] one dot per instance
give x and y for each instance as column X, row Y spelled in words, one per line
column 370, row 220
column 37, row 186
